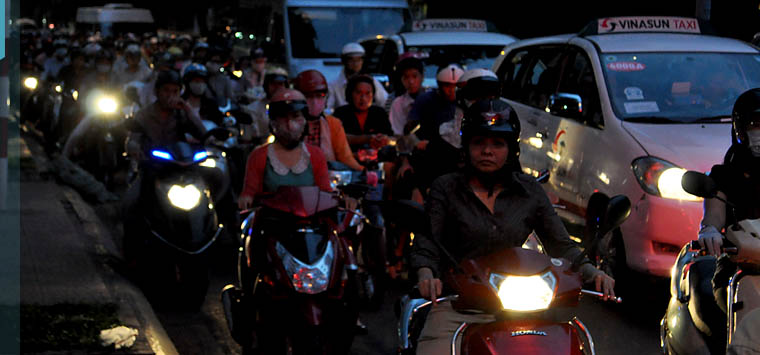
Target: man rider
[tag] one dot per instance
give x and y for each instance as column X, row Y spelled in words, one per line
column 410, row 70
column 324, row 131
column 194, row 78
column 352, row 57
column 259, row 129
column 488, row 205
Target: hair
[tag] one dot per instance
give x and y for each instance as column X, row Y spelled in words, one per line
column 354, row 81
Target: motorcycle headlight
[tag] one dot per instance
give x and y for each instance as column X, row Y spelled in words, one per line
column 75, row 95
column 210, row 162
column 311, row 279
column 31, row 83
column 106, row 104
column 186, row 197
column 524, row 293
column 58, row 89
column 661, row 178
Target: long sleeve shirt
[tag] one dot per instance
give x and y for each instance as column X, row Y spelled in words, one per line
column 467, row 229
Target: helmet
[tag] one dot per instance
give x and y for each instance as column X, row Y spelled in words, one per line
column 478, row 84
column 310, row 81
column 449, row 74
column 167, row 77
column 193, row 71
column 276, row 74
column 133, row 50
column 352, row 48
column 200, row 45
column 92, row 48
column 409, row 60
column 257, row 53
column 746, row 112
column 491, row 117
column 165, row 59
column 174, row 50
column 284, row 101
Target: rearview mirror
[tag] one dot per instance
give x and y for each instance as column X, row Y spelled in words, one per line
column 699, row 184
column 565, row 105
column 618, row 210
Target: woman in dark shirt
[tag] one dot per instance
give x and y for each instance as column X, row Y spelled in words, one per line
column 488, row 206
column 365, row 124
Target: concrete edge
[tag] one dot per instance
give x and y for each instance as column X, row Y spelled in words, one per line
column 138, row 311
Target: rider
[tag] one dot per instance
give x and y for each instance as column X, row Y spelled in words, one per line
column 486, row 206
column 288, row 161
column 352, row 57
column 738, row 181
column 410, row 70
column 273, row 81
column 220, row 86
column 135, row 69
column 438, row 106
column 323, row 131
column 195, row 80
column 364, row 123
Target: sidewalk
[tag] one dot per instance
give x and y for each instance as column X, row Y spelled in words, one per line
column 66, row 255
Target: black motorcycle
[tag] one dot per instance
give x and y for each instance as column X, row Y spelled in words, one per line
column 176, row 226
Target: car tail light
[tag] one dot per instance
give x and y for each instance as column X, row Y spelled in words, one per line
column 307, row 278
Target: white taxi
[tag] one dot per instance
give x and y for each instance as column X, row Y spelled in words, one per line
column 626, row 107
column 468, row 42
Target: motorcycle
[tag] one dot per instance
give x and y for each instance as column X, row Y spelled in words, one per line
column 176, row 225
column 688, row 325
column 296, row 290
column 520, row 287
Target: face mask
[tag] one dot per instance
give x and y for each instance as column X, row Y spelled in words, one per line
column 198, row 88
column 288, row 134
column 754, row 141
column 103, row 68
column 213, row 68
column 316, row 106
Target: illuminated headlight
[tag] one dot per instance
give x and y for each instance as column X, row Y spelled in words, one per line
column 58, row 89
column 31, row 83
column 75, row 95
column 209, row 162
column 661, row 178
column 237, row 73
column 524, row 293
column 270, row 139
column 185, row 198
column 106, row 104
column 306, row 278
column 339, row 178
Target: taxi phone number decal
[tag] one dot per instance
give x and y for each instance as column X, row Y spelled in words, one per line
column 626, row 66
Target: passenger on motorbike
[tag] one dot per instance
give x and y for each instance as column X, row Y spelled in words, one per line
column 273, row 81
column 738, row 181
column 288, row 161
column 410, row 69
column 487, row 205
column 195, row 79
column 220, row 86
column 438, row 106
column 323, row 131
column 352, row 57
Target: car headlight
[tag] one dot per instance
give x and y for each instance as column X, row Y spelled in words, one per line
column 307, row 278
column 31, row 83
column 106, row 104
column 186, row 197
column 661, row 178
column 524, row 293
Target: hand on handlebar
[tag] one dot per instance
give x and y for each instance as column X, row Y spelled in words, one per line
column 378, row 141
column 245, row 202
column 430, row 287
column 711, row 240
column 603, row 283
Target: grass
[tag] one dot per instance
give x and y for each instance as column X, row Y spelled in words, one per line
column 65, row 326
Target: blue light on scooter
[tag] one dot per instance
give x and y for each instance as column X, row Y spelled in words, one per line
column 161, row 154
column 200, row 156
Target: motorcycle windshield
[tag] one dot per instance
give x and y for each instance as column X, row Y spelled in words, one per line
column 305, row 244
column 300, row 201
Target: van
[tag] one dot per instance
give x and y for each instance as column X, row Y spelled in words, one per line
column 113, row 19
column 315, row 31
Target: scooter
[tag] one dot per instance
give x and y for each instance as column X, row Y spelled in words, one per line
column 177, row 225
column 520, row 288
column 688, row 327
column 296, row 291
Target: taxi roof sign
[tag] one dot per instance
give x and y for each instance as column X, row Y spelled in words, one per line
column 450, row 25
column 647, row 24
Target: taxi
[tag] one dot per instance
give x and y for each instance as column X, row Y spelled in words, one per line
column 440, row 42
column 626, row 106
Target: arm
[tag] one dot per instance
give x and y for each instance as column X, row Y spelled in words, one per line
column 254, row 177
column 712, row 223
column 425, row 257
column 319, row 168
column 340, row 144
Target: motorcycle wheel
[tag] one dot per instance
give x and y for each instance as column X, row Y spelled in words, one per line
column 374, row 263
column 192, row 282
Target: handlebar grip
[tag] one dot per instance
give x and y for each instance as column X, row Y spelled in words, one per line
column 728, row 247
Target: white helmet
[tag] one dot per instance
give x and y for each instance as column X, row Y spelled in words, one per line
column 477, row 73
column 450, row 74
column 352, row 48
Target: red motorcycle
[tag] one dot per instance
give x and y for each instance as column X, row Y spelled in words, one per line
column 519, row 287
column 296, row 291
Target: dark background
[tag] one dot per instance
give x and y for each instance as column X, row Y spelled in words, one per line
column 735, row 18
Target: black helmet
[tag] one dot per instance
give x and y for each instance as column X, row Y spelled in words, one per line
column 746, row 112
column 167, row 77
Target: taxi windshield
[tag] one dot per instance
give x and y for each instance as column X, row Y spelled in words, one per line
column 678, row 87
column 321, row 32
column 469, row 57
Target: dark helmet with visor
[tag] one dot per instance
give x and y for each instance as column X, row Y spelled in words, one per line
column 493, row 118
column 285, row 101
column 746, row 114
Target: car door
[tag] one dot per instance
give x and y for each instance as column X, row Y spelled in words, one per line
column 529, row 76
column 578, row 138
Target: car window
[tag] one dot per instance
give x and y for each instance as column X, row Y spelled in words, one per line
column 535, row 75
column 678, row 87
column 578, row 78
column 373, row 55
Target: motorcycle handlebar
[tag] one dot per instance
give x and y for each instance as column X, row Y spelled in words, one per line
column 728, row 247
column 600, row 295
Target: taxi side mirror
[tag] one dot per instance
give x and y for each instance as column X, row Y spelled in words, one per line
column 565, row 105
